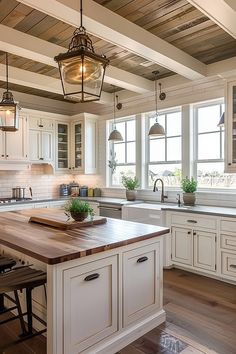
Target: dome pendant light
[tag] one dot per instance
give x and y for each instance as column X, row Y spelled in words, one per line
column 115, row 135
column 156, row 129
column 81, row 69
column 9, row 110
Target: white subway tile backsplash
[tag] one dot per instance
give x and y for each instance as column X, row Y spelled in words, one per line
column 43, row 185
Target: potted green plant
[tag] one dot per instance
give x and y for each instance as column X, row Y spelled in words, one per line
column 77, row 209
column 189, row 187
column 130, row 184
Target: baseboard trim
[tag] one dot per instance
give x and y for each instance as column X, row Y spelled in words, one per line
column 127, row 336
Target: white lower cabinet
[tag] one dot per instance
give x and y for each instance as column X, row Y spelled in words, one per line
column 194, row 248
column 228, row 248
column 141, row 283
column 90, row 304
column 204, row 246
column 182, row 245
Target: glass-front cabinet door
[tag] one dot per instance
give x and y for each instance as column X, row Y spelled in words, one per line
column 77, row 145
column 62, row 146
column 230, row 128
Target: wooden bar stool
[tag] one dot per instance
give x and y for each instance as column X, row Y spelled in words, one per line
column 5, row 265
column 17, row 279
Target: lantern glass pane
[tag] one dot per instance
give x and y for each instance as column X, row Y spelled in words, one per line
column 82, row 78
column 8, row 117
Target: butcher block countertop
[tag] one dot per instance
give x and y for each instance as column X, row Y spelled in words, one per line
column 53, row 246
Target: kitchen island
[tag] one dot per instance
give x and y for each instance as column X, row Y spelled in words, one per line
column 104, row 282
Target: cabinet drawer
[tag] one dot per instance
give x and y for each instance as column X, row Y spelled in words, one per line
column 141, row 282
column 228, row 266
column 228, row 225
column 193, row 220
column 90, row 304
column 228, row 242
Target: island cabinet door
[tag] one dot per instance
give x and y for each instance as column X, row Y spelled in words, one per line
column 90, row 304
column 142, row 279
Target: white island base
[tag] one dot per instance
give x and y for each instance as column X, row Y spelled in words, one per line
column 101, row 303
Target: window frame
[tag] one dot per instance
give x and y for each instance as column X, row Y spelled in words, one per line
column 221, row 131
column 112, row 144
column 147, row 139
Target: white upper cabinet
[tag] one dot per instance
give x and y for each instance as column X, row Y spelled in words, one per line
column 13, row 145
column 62, row 146
column 41, row 124
column 41, row 138
column 230, row 128
column 84, row 145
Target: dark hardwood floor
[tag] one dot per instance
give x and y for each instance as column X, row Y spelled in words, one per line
column 201, row 318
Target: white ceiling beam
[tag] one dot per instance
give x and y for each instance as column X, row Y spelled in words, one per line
column 219, row 11
column 115, row 29
column 34, row 48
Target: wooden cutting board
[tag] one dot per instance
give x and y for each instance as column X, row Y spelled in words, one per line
column 59, row 220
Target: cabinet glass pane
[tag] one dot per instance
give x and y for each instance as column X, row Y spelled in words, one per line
column 62, row 146
column 78, row 145
column 234, row 126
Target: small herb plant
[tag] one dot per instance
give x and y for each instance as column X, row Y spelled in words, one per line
column 189, row 185
column 76, row 205
column 130, row 183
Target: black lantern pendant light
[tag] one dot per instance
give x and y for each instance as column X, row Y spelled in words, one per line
column 81, row 69
column 115, row 135
column 9, row 110
column 156, row 129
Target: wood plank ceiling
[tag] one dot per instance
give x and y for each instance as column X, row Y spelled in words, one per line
column 175, row 21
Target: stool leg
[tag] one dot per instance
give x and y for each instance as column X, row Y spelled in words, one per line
column 29, row 310
column 2, row 308
column 21, row 318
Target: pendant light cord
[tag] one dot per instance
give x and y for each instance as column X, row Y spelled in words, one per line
column 81, row 14
column 114, row 109
column 7, row 69
column 156, row 96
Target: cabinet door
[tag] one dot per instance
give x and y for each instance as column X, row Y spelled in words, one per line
column 77, row 146
column 2, row 145
column 141, row 282
column 16, row 144
column 34, row 145
column 204, row 244
column 46, row 146
column 230, row 128
column 90, row 304
column 62, row 143
column 41, row 124
column 182, row 245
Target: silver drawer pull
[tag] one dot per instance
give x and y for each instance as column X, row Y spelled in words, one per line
column 192, row 221
column 91, row 277
column 233, row 266
column 142, row 259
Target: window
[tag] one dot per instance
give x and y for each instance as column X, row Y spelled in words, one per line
column 165, row 152
column 124, row 152
column 209, row 148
